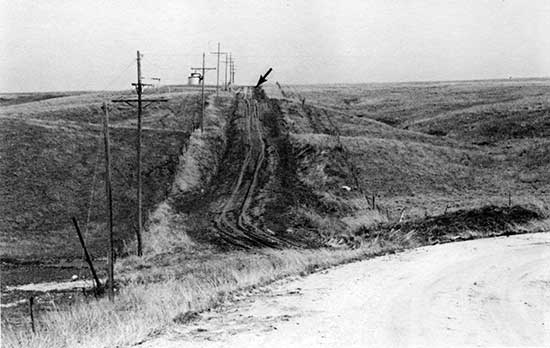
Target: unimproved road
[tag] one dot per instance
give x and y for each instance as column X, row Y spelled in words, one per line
column 490, row 292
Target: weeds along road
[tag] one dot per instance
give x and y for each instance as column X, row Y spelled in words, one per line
column 490, row 292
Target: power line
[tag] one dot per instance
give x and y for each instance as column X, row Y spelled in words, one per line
column 218, row 53
column 119, row 75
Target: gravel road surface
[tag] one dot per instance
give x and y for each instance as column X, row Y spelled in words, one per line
column 489, row 292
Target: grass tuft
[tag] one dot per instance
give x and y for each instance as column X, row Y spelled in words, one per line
column 146, row 306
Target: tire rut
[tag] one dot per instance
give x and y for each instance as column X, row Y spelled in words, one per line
column 234, row 223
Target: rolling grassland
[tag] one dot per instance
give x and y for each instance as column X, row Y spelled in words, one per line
column 284, row 181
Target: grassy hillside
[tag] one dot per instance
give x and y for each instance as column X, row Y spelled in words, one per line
column 422, row 148
column 52, row 169
column 418, row 148
column 426, row 152
column 400, row 103
column 7, row 99
column 526, row 117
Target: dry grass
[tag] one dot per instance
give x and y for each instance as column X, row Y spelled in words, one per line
column 144, row 308
column 401, row 103
column 422, row 149
column 50, row 152
column 533, row 226
column 200, row 160
column 22, row 98
column 466, row 224
column 418, row 172
column 526, row 117
column 197, row 164
column 160, row 288
column 164, row 234
column 413, row 174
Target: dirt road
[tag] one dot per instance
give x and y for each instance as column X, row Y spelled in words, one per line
column 491, row 292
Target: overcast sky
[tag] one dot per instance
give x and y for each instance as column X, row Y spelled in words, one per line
column 82, row 45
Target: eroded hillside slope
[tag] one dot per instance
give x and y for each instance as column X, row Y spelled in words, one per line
column 52, row 169
column 290, row 170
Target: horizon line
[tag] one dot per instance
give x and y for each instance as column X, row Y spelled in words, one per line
column 511, row 78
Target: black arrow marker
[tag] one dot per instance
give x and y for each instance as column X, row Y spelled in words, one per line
column 263, row 78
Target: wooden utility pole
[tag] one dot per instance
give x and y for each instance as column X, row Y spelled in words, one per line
column 109, row 196
column 139, row 90
column 218, row 53
column 203, row 70
column 225, row 81
column 231, row 70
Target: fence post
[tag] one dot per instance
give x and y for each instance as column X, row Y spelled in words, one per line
column 31, row 303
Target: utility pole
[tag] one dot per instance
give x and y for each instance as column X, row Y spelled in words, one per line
column 203, row 72
column 108, row 191
column 225, row 81
column 139, row 90
column 232, row 70
column 218, row 53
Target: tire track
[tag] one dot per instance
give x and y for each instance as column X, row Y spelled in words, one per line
column 244, row 220
column 242, row 232
column 234, row 223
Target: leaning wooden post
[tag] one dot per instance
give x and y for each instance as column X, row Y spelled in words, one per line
column 31, row 303
column 87, row 256
column 109, row 201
